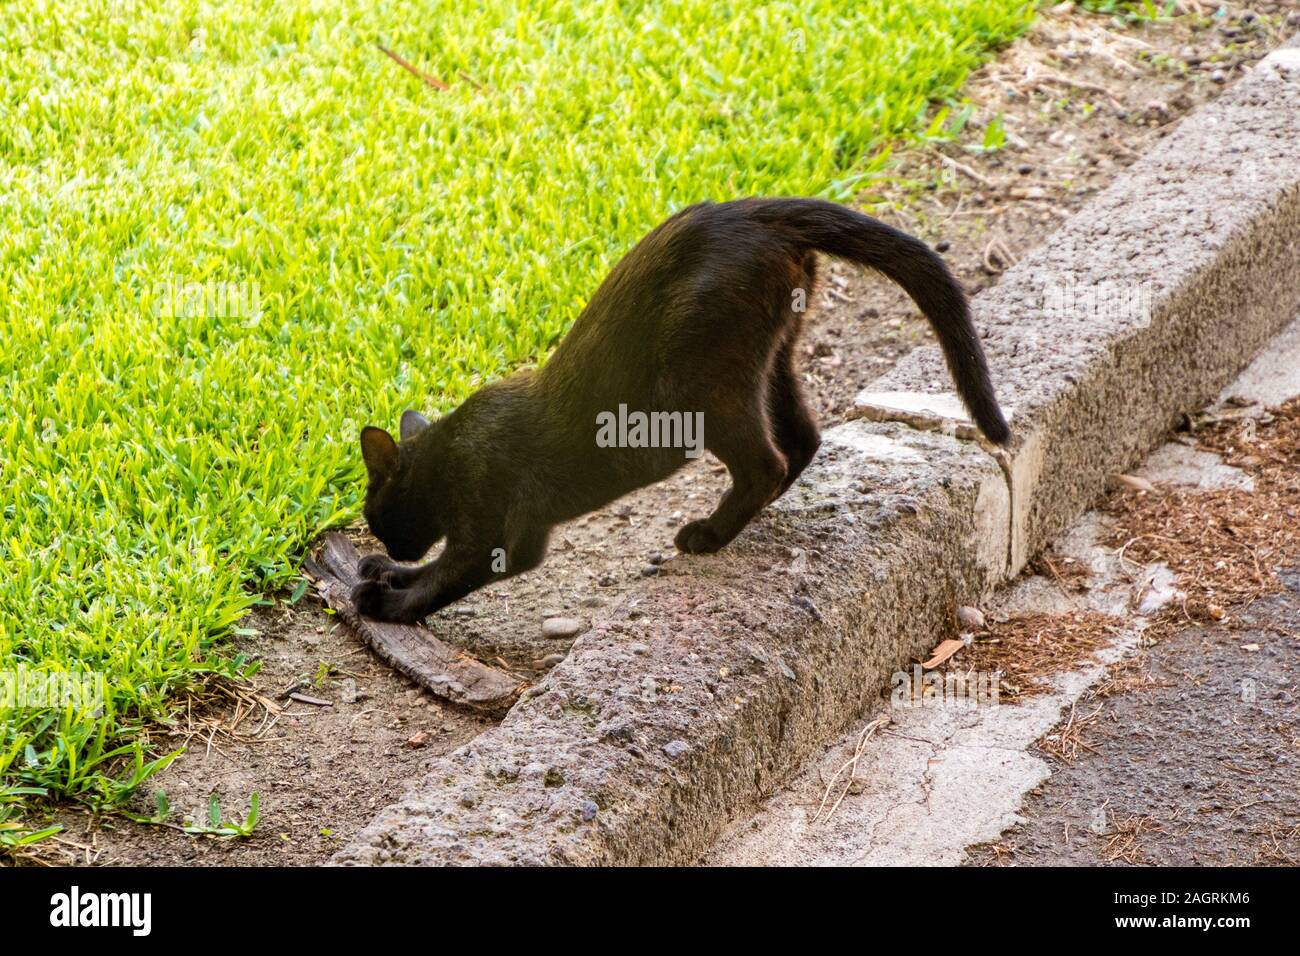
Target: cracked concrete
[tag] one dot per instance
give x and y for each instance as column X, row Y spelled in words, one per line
column 941, row 777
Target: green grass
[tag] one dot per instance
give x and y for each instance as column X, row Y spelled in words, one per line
column 159, row 473
column 1132, row 11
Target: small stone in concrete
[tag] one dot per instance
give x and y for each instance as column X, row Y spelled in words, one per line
column 589, row 810
column 561, row 627
column 675, row 748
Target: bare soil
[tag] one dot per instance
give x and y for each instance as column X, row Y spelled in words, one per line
column 322, row 772
column 1081, row 97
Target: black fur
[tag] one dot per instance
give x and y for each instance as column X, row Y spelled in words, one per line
column 698, row 317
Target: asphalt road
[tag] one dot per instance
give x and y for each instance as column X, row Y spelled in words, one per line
column 1200, row 767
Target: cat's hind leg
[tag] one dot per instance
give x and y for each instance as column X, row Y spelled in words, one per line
column 742, row 440
column 793, row 426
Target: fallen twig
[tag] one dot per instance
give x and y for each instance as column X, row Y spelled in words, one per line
column 851, row 765
column 429, row 78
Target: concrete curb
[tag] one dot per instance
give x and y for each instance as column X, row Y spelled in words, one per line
column 693, row 698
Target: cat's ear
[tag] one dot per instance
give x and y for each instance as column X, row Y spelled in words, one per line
column 379, row 452
column 412, row 424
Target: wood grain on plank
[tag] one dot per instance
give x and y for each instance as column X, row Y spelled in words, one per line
column 442, row 669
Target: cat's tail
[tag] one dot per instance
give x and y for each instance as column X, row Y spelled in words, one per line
column 848, row 234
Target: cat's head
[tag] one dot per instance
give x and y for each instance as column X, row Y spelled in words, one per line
column 399, row 508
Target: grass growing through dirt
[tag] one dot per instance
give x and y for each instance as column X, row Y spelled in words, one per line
column 371, row 241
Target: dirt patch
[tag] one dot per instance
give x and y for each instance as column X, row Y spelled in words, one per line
column 1112, row 90
column 322, row 772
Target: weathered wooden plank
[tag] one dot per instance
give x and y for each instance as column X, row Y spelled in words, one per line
column 445, row 671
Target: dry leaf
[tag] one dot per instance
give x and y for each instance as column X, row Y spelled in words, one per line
column 944, row 651
column 1133, row 482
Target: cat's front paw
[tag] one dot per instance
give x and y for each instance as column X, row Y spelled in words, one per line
column 368, row 598
column 375, row 567
column 378, row 601
column 698, row 537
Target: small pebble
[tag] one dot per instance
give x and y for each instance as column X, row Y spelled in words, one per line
column 589, row 810
column 1024, row 169
column 970, row 618
column 639, row 649
column 675, row 748
column 650, row 570
column 1218, row 76
column 561, row 627
column 943, row 245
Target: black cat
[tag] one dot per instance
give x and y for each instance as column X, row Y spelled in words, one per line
column 702, row 316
